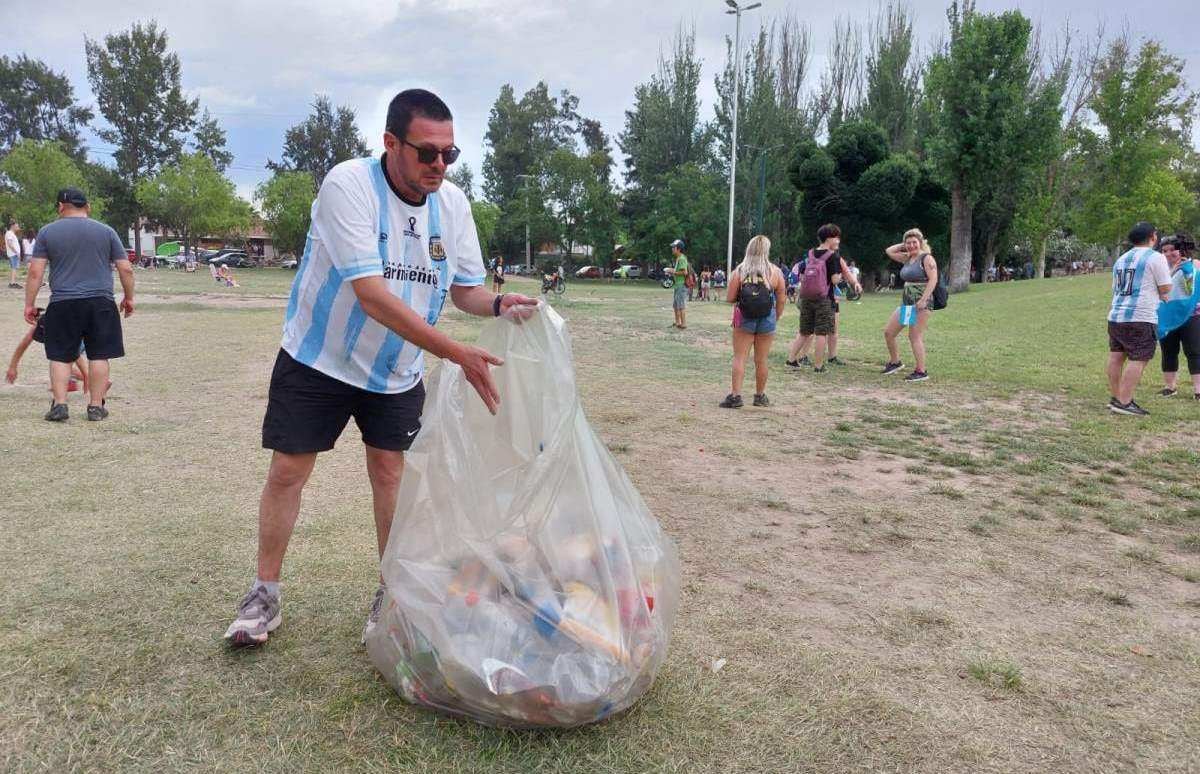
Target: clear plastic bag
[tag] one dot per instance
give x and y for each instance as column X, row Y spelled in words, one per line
column 528, row 583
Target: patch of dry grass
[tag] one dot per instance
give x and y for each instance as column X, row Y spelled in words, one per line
column 865, row 627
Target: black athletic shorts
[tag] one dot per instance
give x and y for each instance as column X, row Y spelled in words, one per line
column 94, row 321
column 1136, row 339
column 307, row 411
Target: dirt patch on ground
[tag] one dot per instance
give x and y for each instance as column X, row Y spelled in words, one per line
column 217, row 300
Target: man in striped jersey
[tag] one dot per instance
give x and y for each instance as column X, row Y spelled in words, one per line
column 390, row 240
column 1141, row 279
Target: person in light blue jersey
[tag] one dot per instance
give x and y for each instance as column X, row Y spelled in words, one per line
column 1183, row 332
column 390, row 240
column 1141, row 279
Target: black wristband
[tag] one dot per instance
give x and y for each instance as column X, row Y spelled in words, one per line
column 496, row 305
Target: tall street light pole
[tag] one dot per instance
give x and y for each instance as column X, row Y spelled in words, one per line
column 736, row 10
column 528, row 254
column 762, row 183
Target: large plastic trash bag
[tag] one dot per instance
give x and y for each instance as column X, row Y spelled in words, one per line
column 527, row 582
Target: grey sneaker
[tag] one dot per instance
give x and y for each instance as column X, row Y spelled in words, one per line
column 96, row 413
column 258, row 616
column 57, row 413
column 760, row 399
column 375, row 612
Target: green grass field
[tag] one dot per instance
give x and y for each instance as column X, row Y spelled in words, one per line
column 983, row 572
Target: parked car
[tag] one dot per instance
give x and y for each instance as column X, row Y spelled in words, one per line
column 234, row 259
column 289, row 263
column 588, row 272
column 628, row 272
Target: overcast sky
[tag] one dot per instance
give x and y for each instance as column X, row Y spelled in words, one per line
column 257, row 65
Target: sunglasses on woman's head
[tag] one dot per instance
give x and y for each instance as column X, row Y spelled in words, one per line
column 428, row 155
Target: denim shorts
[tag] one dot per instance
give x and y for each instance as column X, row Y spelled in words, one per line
column 759, row 325
column 680, row 300
column 14, row 261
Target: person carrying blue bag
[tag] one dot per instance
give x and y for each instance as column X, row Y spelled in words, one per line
column 922, row 294
column 1179, row 315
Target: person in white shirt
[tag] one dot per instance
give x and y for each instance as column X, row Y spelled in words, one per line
column 12, row 248
column 1141, row 279
column 389, row 241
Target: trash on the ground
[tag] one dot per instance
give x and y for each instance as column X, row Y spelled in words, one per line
column 718, row 664
column 528, row 583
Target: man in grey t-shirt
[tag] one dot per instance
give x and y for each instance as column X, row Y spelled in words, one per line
column 81, row 253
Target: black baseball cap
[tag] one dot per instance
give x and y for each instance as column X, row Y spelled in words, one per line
column 677, row 243
column 72, row 196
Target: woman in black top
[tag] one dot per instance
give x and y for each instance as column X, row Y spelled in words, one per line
column 920, row 275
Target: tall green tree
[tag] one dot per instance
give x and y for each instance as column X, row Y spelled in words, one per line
column 690, row 205
column 977, row 86
column 664, row 130
column 322, row 141
column 192, row 199
column 774, row 118
column 521, row 137
column 1074, row 68
column 1028, row 147
column 209, row 140
column 136, row 82
column 32, row 172
column 464, row 177
column 486, row 216
column 36, row 103
column 120, row 203
column 892, row 79
column 1145, row 111
column 285, row 202
column 873, row 193
column 839, row 96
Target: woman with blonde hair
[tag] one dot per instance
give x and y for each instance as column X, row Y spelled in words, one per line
column 759, row 294
column 919, row 273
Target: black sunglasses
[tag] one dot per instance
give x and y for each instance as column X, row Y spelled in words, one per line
column 428, row 155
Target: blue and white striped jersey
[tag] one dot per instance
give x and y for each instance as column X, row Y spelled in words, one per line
column 1137, row 276
column 361, row 228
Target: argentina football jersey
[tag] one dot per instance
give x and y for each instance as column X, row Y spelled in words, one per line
column 362, row 228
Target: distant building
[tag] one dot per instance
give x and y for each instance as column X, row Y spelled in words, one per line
column 257, row 241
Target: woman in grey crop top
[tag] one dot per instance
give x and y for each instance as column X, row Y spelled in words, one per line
column 920, row 276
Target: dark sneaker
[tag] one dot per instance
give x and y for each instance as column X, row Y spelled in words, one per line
column 258, row 616
column 1196, row 396
column 819, row 369
column 760, row 399
column 835, row 360
column 791, row 363
column 1129, row 409
column 916, row 376
column 891, row 368
column 1113, row 402
column 57, row 413
column 1168, row 392
column 375, row 612
column 804, row 361
column 96, row 413
column 731, row 401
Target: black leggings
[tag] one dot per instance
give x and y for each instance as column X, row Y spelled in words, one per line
column 1188, row 335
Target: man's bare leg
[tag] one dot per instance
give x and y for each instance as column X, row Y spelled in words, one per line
column 60, row 375
column 278, row 509
column 97, row 381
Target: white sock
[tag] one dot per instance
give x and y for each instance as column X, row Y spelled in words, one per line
column 272, row 586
